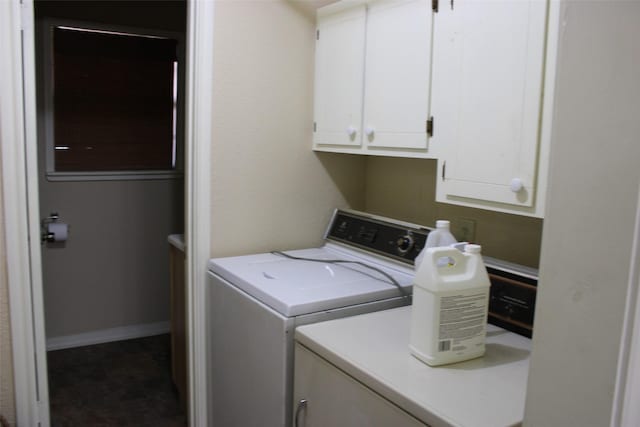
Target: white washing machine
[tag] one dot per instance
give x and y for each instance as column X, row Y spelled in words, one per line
column 256, row 301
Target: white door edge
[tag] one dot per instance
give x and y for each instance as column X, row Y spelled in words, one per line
column 20, row 199
column 18, row 145
column 626, row 412
column 199, row 114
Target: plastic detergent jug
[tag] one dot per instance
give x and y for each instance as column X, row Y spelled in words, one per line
column 441, row 236
column 450, row 303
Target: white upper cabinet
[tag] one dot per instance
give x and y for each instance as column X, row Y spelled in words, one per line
column 373, row 63
column 489, row 61
column 339, row 77
column 397, row 74
column 469, row 82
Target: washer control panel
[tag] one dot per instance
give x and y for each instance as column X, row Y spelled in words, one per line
column 384, row 236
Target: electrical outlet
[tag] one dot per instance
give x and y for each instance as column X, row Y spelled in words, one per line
column 464, row 229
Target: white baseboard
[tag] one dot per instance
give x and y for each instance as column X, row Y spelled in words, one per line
column 107, row 335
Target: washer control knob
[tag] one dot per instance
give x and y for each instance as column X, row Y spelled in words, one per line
column 404, row 243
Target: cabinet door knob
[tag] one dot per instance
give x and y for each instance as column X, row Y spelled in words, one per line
column 369, row 131
column 516, row 185
column 351, row 131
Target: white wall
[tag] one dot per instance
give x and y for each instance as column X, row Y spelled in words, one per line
column 268, row 189
column 587, row 238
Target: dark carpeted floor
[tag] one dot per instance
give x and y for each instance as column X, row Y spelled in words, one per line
column 124, row 383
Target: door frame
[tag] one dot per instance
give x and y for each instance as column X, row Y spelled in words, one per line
column 198, row 140
column 625, row 411
column 20, row 203
column 18, row 145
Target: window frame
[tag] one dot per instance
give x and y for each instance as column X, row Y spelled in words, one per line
column 51, row 174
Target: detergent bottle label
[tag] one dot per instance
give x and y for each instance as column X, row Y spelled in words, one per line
column 462, row 318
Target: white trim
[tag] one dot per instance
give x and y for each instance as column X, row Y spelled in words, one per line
column 114, row 176
column 18, row 145
column 199, row 113
column 630, row 409
column 626, row 412
column 33, row 208
column 108, row 335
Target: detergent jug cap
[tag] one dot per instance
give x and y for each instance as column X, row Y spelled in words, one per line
column 442, row 223
column 473, row 249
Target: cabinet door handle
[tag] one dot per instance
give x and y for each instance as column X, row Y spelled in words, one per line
column 369, row 131
column 302, row 404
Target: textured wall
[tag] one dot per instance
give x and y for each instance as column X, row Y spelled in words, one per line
column 114, row 269
column 405, row 189
column 592, row 203
column 269, row 190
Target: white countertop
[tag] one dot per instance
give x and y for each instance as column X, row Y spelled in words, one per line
column 374, row 349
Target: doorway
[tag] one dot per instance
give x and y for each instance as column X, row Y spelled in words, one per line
column 109, row 279
column 21, row 207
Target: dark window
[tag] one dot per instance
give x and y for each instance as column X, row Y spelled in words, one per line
column 114, row 101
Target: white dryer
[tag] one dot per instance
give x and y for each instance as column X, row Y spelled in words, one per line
column 256, row 301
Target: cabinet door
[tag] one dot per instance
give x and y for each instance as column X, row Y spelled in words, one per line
column 335, row 399
column 397, row 74
column 488, row 59
column 339, row 72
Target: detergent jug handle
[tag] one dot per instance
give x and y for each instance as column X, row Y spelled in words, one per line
column 435, row 254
